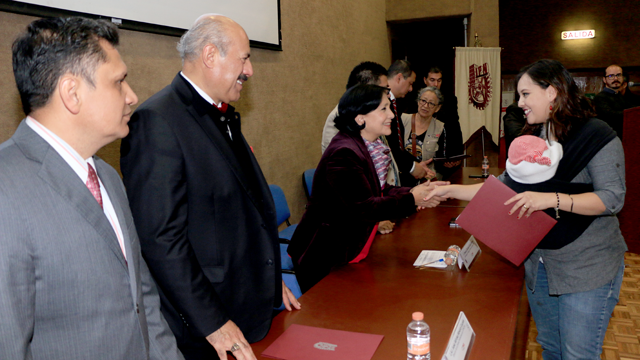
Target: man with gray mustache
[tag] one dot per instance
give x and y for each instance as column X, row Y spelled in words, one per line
column 205, row 215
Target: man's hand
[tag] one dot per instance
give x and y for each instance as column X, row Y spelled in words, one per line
column 226, row 337
column 288, row 299
column 418, row 171
column 429, row 174
column 385, row 227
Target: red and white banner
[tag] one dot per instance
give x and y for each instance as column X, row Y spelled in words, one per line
column 478, row 89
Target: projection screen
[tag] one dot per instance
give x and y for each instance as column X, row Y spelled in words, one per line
column 260, row 18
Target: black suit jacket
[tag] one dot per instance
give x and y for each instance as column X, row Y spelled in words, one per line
column 403, row 158
column 208, row 233
column 610, row 108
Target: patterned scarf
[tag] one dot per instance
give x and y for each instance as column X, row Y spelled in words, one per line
column 380, row 155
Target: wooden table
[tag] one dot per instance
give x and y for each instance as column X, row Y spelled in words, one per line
column 379, row 294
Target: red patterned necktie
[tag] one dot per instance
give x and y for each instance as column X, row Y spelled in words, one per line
column 395, row 113
column 94, row 185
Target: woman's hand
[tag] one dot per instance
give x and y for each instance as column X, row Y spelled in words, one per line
column 527, row 202
column 460, row 192
column 385, row 227
column 421, row 191
column 439, row 192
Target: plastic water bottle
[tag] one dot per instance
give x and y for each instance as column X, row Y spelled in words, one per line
column 485, row 166
column 418, row 338
column 451, row 256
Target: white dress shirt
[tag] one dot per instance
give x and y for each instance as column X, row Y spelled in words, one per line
column 206, row 97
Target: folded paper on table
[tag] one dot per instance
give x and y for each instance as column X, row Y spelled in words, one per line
column 300, row 342
column 488, row 220
column 430, row 258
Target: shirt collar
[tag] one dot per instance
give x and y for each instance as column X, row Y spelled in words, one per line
column 200, row 91
column 68, row 154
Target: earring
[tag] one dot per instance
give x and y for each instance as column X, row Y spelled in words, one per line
column 550, row 107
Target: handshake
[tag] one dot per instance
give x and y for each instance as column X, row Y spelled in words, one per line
column 421, row 191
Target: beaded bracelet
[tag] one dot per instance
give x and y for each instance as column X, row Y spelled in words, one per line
column 557, row 206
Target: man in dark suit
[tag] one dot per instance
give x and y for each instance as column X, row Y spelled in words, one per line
column 73, row 284
column 206, row 218
column 401, row 79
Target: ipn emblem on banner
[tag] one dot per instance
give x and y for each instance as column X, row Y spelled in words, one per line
column 479, row 86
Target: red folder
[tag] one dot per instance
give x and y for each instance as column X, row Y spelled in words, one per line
column 488, row 220
column 300, row 342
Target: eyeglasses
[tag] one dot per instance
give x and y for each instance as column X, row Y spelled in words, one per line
column 426, row 103
column 611, row 76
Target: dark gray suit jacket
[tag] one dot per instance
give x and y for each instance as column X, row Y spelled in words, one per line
column 66, row 291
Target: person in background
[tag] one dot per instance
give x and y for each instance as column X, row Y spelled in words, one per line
column 205, row 215
column 367, row 72
column 450, row 143
column 574, row 275
column 401, row 79
column 73, row 284
column 425, row 130
column 350, row 192
column 610, row 103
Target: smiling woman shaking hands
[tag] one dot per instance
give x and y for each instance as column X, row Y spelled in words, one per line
column 350, row 194
column 574, row 275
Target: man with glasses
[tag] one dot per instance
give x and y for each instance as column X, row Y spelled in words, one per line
column 610, row 102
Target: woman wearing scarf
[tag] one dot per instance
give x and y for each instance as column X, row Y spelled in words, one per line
column 574, row 275
column 350, row 192
column 422, row 140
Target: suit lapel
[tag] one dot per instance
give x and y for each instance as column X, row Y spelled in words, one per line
column 118, row 201
column 186, row 94
column 64, row 181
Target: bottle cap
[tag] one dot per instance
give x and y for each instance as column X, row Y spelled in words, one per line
column 417, row 316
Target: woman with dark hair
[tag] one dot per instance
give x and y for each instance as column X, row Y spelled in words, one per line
column 574, row 275
column 350, row 193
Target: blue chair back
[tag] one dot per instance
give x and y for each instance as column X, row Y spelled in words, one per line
column 282, row 208
column 307, row 181
column 285, row 260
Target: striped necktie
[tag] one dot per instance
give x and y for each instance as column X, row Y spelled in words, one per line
column 94, row 185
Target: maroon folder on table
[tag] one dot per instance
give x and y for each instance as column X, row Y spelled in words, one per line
column 300, row 342
column 488, row 220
